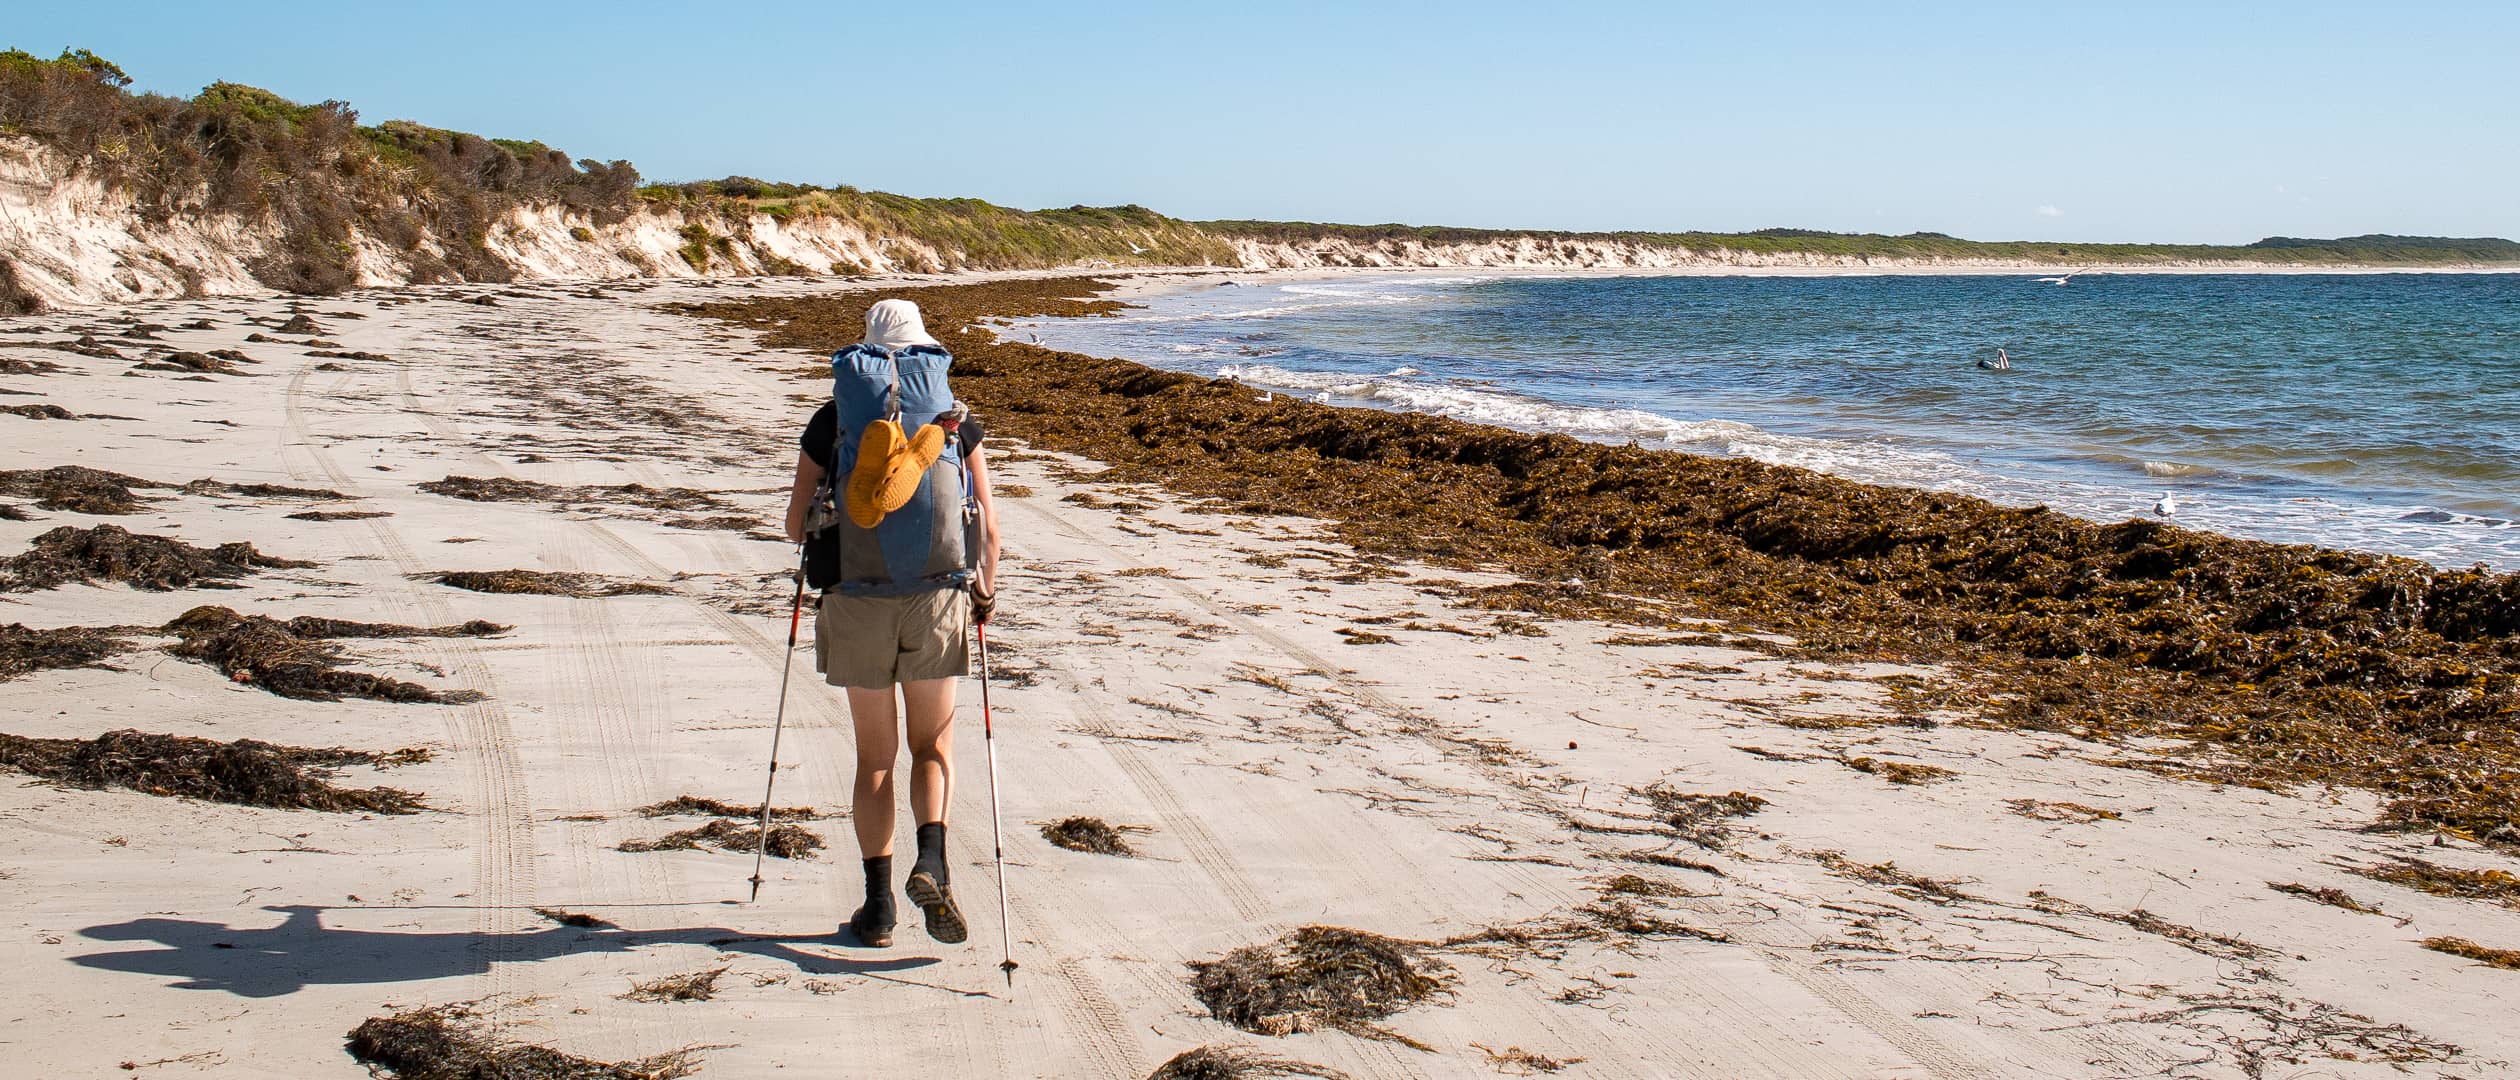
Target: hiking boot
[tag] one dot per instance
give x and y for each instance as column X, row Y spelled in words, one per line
column 873, row 922
column 930, row 888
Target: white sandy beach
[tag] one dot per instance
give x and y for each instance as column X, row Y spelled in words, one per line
column 1211, row 677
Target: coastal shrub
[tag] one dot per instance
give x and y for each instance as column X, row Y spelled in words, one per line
column 312, row 170
column 697, row 243
column 581, row 234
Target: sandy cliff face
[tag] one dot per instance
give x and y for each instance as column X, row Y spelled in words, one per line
column 67, row 240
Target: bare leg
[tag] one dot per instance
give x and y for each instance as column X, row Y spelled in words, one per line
column 871, row 712
column 930, row 705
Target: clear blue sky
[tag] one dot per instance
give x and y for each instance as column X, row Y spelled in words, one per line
column 2069, row 120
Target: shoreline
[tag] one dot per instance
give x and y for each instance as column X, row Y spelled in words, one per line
column 1630, row 832
column 1193, row 326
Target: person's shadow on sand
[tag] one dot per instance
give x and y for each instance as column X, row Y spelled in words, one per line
column 302, row 951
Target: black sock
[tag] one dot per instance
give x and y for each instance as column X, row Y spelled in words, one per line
column 879, row 893
column 932, row 851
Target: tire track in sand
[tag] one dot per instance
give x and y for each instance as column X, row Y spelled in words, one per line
column 503, row 869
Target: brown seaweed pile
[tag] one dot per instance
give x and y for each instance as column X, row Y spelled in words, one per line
column 1091, row 834
column 294, row 658
column 2329, row 895
column 545, row 583
column 23, row 650
column 261, row 491
column 1236, row 1063
column 339, row 515
column 1318, row 977
column 39, row 412
column 2496, row 886
column 77, row 488
column 577, row 919
column 786, row 841
column 455, row 1042
column 697, row 806
column 196, row 363
column 503, row 489
column 689, row 986
column 2293, row 664
column 1704, row 820
column 112, row 553
column 245, row 772
column 2506, row 959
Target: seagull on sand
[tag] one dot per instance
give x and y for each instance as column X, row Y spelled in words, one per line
column 2168, row 506
column 2063, row 279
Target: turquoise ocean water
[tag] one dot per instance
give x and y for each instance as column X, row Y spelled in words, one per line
column 2379, row 412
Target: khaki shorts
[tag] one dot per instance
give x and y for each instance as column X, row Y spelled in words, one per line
column 874, row 642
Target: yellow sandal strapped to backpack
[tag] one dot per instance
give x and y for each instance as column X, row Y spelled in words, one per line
column 890, row 469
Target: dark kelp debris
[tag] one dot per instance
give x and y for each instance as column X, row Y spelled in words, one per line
column 689, row 986
column 697, row 806
column 1319, row 977
column 23, row 649
column 1091, row 834
column 503, row 489
column 77, row 488
column 245, row 772
column 339, row 515
column 39, row 412
column 1704, row 820
column 455, row 1042
column 574, row 918
column 261, row 491
column 193, row 363
column 786, row 841
column 2293, row 664
column 545, row 583
column 112, row 553
column 294, row 659
column 1236, row 1063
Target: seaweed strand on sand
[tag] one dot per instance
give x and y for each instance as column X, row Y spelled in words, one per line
column 245, row 772
column 456, row 1042
column 69, row 554
column 1319, row 977
column 294, row 658
column 77, row 488
column 786, row 841
column 2280, row 664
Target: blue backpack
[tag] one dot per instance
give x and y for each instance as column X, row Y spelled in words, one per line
column 931, row 542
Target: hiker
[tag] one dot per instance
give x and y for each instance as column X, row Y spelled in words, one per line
column 892, row 504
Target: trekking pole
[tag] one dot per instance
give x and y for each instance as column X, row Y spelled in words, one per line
column 997, row 842
column 796, row 615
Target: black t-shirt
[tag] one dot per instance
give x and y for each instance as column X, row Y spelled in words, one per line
column 822, row 433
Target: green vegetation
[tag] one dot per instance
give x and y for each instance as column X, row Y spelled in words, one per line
column 435, row 196
column 966, row 233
